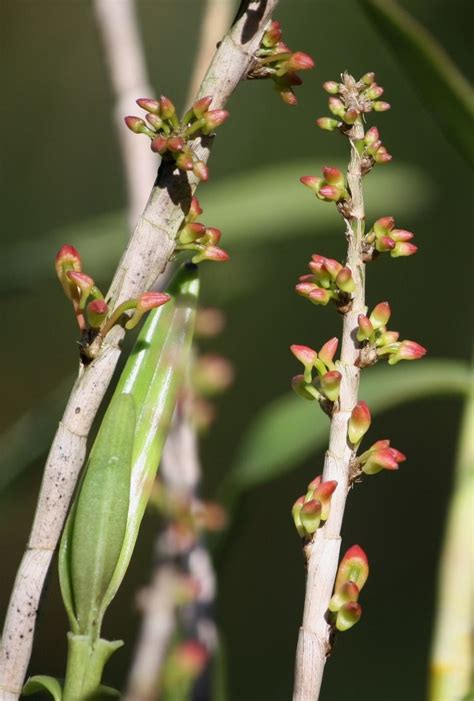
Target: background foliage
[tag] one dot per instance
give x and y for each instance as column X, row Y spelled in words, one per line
column 61, row 181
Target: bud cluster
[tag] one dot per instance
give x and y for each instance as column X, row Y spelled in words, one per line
column 350, row 99
column 276, row 61
column 325, row 386
column 92, row 311
column 351, row 576
column 172, row 137
column 312, row 509
column 379, row 341
column 330, row 188
column 194, row 236
column 383, row 237
column 328, row 280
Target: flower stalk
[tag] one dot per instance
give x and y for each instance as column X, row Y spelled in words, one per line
column 365, row 340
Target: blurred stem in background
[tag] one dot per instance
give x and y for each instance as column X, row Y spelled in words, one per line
column 451, row 658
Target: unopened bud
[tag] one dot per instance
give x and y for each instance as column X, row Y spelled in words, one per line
column 200, row 107
column 201, row 171
column 348, row 592
column 331, row 87
column 336, row 106
column 296, row 513
column 307, row 356
column 407, row 350
column 354, row 567
column 359, row 422
column 96, row 312
column 213, row 253
column 381, row 106
column 149, row 105
column 330, row 384
column 403, row 248
column 345, row 281
column 380, row 315
column 333, row 176
column 146, row 302
column 327, row 123
column 311, row 181
column 214, row 119
column 304, row 389
column 319, row 296
column 67, row 259
column 365, row 329
column 328, row 351
column 348, row 615
column 310, row 515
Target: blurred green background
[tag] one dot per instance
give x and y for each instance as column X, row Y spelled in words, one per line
column 60, row 166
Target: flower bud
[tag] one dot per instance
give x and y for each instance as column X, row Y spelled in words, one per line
column 327, row 123
column 333, row 176
column 351, row 115
column 146, row 302
column 191, row 232
column 67, row 259
column 380, row 315
column 201, row 171
column 365, row 329
column 200, row 107
column 403, row 248
column 214, row 119
column 84, row 282
column 168, row 111
column 331, row 87
column 299, row 61
column 296, row 513
column 381, row 106
column 407, row 350
column 307, row 356
column 382, row 156
column 382, row 458
column 310, row 515
column 176, row 144
column 359, row 422
column 138, row 126
column 348, row 615
column 371, row 136
column 330, row 384
column 159, row 144
column 354, row 567
column 319, row 296
column 348, row 592
column 330, row 193
column 212, row 236
column 383, row 226
column 328, row 351
column 194, row 211
column 333, row 267
column 185, row 160
column 96, row 312
column 374, row 92
column 322, row 492
column 214, row 253
column 345, row 281
column 149, row 105
column 368, row 78
column 273, row 35
column 336, row 106
column 305, row 288
column 401, row 235
column 384, row 243
column 304, row 389
column 311, row 181
column 155, row 122
column 386, row 338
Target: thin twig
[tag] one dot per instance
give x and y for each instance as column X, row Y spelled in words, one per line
column 145, row 257
column 322, row 553
column 451, row 659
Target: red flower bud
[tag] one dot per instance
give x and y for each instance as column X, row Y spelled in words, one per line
column 348, row 615
column 185, row 160
column 333, row 176
column 201, row 171
column 213, row 253
column 366, row 329
column 384, row 243
column 331, row 87
column 311, row 181
column 159, row 145
column 380, row 315
column 149, row 105
column 307, row 356
column 67, row 259
column 381, row 106
column 200, row 107
column 96, row 312
column 322, row 492
column 336, row 106
column 407, row 350
column 372, row 135
column 403, row 248
column 382, row 156
column 214, row 119
column 305, row 288
column 176, row 144
column 146, row 302
column 330, row 193
column 154, row 121
column 359, row 422
column 330, row 384
column 319, row 296
column 310, row 515
column 299, row 61
column 354, row 567
column 327, row 123
column 328, row 351
column 345, row 281
column 168, row 110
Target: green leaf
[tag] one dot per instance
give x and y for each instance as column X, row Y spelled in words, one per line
column 438, row 81
column 153, row 376
column 41, row 682
column 251, row 208
column 96, row 527
column 289, row 429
